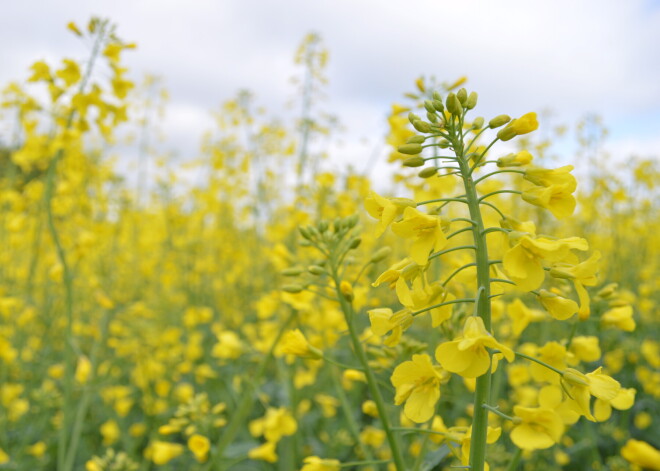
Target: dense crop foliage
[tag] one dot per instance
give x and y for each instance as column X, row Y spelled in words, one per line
column 246, row 310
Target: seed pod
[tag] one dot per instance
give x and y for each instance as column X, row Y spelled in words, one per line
column 292, row 271
column 422, row 126
column 471, row 100
column 380, row 254
column 498, row 121
column 428, row 172
column 416, row 161
column 462, row 96
column 416, row 140
column 410, row 149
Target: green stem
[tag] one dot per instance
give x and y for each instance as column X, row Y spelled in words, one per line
column 350, row 418
column 453, row 249
column 453, row 301
column 536, row 360
column 482, row 393
column 372, row 381
column 480, row 179
column 515, row 461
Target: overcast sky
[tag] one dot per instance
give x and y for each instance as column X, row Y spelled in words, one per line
column 574, row 57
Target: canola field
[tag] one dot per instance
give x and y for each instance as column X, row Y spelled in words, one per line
column 488, row 310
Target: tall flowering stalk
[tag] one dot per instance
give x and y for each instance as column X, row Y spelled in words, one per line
column 525, row 260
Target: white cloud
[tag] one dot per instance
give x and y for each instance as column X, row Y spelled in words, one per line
column 575, row 57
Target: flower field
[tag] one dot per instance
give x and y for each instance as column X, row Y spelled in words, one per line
column 244, row 309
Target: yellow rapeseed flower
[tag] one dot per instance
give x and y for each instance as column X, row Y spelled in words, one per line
column 417, row 383
column 539, row 428
column 467, row 355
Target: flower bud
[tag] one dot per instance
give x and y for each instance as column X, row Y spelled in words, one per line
column 432, row 117
column 462, row 96
column 506, row 134
column 515, row 160
column 428, row 172
column 439, row 107
column 478, row 123
column 422, row 126
column 316, row 270
column 443, row 143
column 346, row 290
column 293, row 288
column 429, row 106
column 453, row 105
column 323, row 226
column 471, row 100
column 351, row 221
column 304, row 232
column 498, row 121
column 416, row 140
column 608, row 290
column 575, row 377
column 412, row 117
column 380, row 254
column 355, row 243
column 437, row 96
column 415, row 161
column 410, row 149
column 293, row 271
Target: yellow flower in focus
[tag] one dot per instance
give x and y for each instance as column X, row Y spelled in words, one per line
column 383, row 321
column 642, row 454
column 467, row 355
column 540, row 428
column 314, row 463
column 425, row 230
column 264, row 452
column 523, row 262
column 200, row 446
column 386, row 210
column 580, row 387
column 547, row 177
column 583, row 274
column 517, row 127
column 417, row 383
column 558, row 199
column 557, row 306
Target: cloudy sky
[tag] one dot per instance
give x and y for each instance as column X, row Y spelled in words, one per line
column 573, row 57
